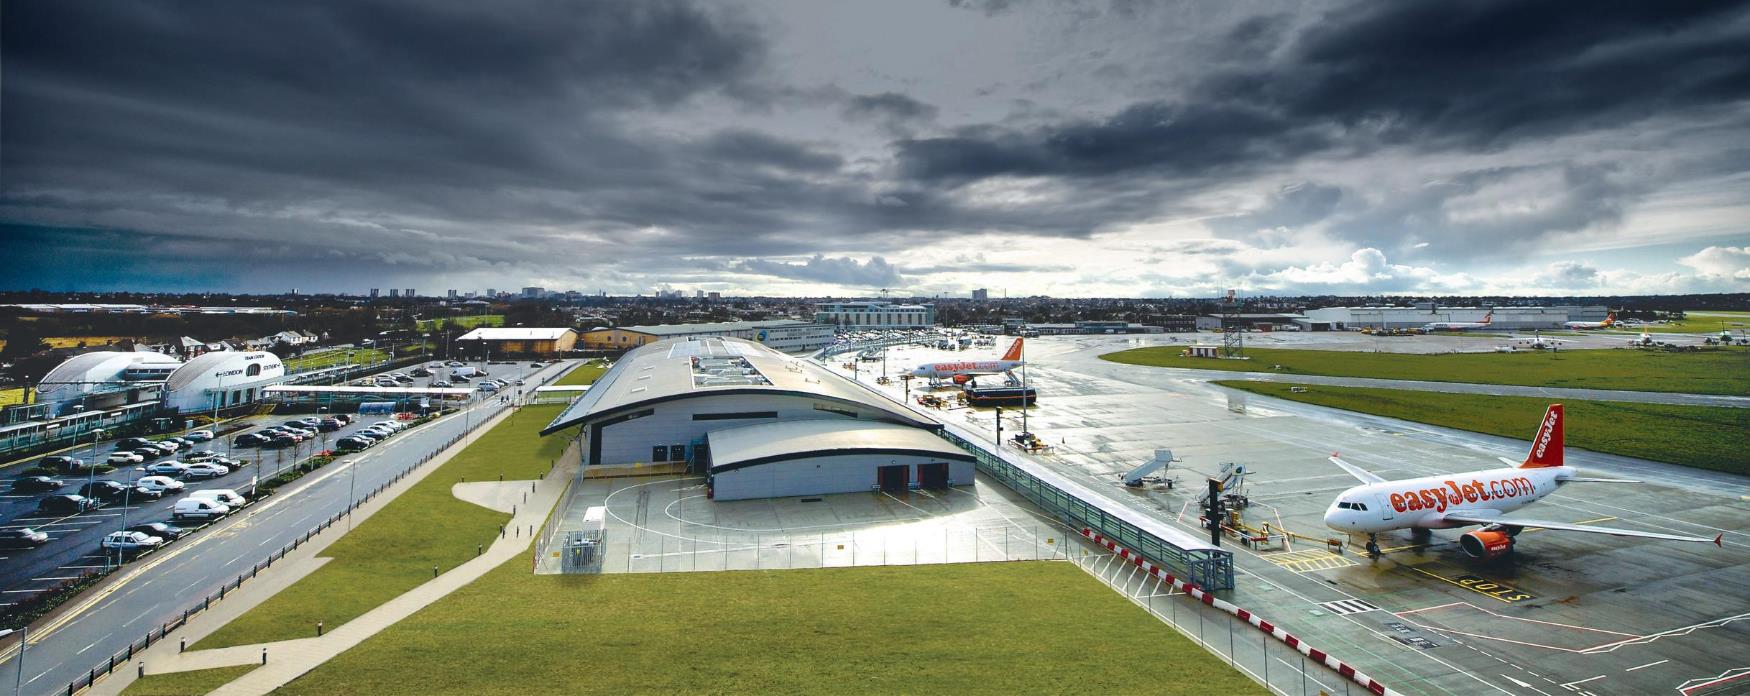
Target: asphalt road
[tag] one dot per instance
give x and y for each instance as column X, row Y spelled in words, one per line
column 160, row 586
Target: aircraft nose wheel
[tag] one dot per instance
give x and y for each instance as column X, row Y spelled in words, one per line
column 1372, row 546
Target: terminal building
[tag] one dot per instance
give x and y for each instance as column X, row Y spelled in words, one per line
column 855, row 316
column 104, row 379
column 1506, row 318
column 758, row 423
column 785, row 335
column 222, row 379
column 520, row 341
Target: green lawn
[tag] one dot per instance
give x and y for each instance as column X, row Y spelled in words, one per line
column 1711, row 322
column 394, row 550
column 585, row 373
column 462, row 322
column 191, row 683
column 1699, row 436
column 1005, row 628
column 1716, row 371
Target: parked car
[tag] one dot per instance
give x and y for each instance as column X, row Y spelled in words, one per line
column 282, row 441
column 200, row 435
column 206, row 470
column 150, row 452
column 163, row 530
column 352, row 443
column 181, row 442
column 454, row 363
column 22, row 538
column 345, row 417
column 419, row 372
column 200, row 456
column 537, row 364
column 229, row 497
column 65, row 505
column 123, row 458
column 132, row 443
column 169, row 446
column 131, row 541
column 519, row 383
column 250, row 440
column 440, row 384
column 36, row 484
column 104, row 490
column 487, row 387
column 164, row 485
column 192, row 508
column 168, row 467
column 329, row 426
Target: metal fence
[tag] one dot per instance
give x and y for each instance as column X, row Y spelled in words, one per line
column 1270, row 662
column 650, row 552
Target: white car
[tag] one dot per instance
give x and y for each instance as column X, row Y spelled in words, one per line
column 162, row 484
column 168, row 467
column 200, row 435
column 206, row 470
column 131, row 541
column 120, row 457
column 392, row 425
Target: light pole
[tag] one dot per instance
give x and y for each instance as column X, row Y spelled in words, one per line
column 352, row 488
column 96, row 433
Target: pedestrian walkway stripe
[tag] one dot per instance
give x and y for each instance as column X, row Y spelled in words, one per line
column 1344, row 607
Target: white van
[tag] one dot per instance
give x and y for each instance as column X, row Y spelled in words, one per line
column 192, row 508
column 224, row 495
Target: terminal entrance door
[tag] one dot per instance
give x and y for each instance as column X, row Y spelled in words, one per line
column 894, row 478
column 933, row 475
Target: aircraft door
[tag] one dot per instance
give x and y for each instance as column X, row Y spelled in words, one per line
column 1384, row 506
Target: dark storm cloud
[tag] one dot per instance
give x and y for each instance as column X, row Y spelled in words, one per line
column 873, row 273
column 760, row 149
column 895, row 112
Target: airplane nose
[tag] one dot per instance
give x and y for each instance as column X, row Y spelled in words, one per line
column 1332, row 519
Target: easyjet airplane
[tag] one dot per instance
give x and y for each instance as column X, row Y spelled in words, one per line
column 1608, row 322
column 1481, row 498
column 1488, row 319
column 962, row 370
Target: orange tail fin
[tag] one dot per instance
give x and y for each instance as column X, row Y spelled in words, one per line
column 1489, row 318
column 1546, row 448
column 1014, row 350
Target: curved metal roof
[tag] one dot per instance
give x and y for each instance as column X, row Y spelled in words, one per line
column 80, row 372
column 764, row 443
column 686, row 367
column 217, row 360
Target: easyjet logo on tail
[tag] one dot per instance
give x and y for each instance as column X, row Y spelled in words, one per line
column 1546, row 448
column 1014, row 350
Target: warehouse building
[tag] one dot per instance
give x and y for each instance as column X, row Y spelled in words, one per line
column 103, row 379
column 760, row 422
column 1506, row 318
column 786, row 335
column 222, row 379
column 524, row 342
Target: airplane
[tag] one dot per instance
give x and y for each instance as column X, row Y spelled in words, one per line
column 1608, row 322
column 1481, row 498
column 962, row 371
column 1461, row 325
column 1645, row 339
column 1540, row 343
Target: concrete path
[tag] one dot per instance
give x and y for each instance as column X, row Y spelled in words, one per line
column 500, row 496
column 291, row 658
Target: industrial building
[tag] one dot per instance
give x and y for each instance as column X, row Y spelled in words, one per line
column 1092, row 327
column 786, row 335
column 222, row 379
column 1506, row 318
column 521, row 341
column 798, row 429
column 1260, row 322
column 875, row 315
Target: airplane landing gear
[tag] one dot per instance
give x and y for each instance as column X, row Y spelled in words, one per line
column 1372, row 546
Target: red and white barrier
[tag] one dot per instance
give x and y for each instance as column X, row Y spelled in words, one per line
column 1198, row 594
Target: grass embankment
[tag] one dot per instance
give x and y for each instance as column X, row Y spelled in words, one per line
column 462, row 322
column 314, row 361
column 395, row 550
column 1714, row 371
column 1025, row 627
column 1699, row 322
column 1704, row 437
column 191, row 683
column 585, row 373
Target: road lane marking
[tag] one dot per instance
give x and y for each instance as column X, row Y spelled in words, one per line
column 1649, row 664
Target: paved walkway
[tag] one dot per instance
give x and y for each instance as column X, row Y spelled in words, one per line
column 286, row 660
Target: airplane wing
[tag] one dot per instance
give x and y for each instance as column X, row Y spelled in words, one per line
column 1364, row 475
column 1494, row 517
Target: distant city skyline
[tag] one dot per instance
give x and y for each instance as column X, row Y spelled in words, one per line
column 1097, row 148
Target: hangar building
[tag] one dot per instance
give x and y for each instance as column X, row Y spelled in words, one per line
column 1352, row 318
column 787, row 335
column 758, row 422
column 222, row 379
column 521, row 341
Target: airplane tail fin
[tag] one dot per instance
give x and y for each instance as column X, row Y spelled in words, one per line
column 1490, row 317
column 1546, row 448
column 1610, row 320
column 1014, row 350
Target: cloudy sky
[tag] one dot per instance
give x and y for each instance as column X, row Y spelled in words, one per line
column 801, row 147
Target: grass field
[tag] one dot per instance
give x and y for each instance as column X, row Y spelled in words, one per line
column 192, row 683
column 1025, row 627
column 87, row 341
column 1699, row 436
column 1700, row 322
column 582, row 374
column 394, row 550
column 1718, row 371
column 464, row 322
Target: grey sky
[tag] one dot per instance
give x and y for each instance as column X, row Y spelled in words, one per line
column 1104, row 147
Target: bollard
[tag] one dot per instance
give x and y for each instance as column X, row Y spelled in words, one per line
column 434, row 571
column 142, row 669
column 479, row 549
column 501, row 531
column 182, row 645
column 264, row 656
column 501, row 478
column 318, row 629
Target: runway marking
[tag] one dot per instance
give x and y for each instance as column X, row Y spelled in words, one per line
column 1683, row 631
column 1649, row 664
column 1732, row 674
column 1310, row 560
column 1456, row 583
column 1345, row 607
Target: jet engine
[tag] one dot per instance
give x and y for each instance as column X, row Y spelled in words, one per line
column 962, row 379
column 1486, row 543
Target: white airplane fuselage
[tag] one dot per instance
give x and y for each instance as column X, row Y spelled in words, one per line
column 946, row 370
column 1420, row 502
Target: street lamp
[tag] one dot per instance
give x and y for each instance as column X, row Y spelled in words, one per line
column 352, row 492
column 96, row 434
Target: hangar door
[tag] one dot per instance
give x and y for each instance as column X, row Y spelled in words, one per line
column 893, row 478
column 933, row 475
